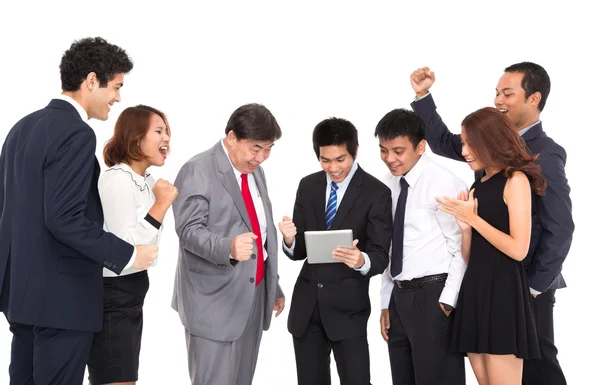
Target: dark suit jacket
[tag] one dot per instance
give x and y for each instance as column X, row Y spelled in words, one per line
column 341, row 292
column 552, row 226
column 52, row 246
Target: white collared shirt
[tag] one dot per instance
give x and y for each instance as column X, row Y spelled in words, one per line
column 256, row 198
column 126, row 199
column 342, row 187
column 432, row 238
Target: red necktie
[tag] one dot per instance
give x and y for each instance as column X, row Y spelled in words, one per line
column 260, row 263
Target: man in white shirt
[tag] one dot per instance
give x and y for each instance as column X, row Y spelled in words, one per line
column 420, row 287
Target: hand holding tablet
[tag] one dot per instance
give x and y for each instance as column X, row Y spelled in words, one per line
column 321, row 244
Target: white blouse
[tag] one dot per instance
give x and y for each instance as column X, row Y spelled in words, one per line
column 126, row 198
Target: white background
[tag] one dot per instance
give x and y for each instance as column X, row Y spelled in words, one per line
column 307, row 61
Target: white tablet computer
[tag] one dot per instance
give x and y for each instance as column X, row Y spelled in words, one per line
column 320, row 244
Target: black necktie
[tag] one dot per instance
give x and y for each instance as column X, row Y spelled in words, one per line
column 398, row 237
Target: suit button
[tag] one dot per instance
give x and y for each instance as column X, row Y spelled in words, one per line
column 253, row 256
column 251, row 280
column 319, row 285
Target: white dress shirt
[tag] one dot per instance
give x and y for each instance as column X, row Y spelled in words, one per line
column 126, row 199
column 259, row 207
column 432, row 238
column 84, row 117
column 342, row 187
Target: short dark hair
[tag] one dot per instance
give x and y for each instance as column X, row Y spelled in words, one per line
column 255, row 122
column 401, row 122
column 535, row 79
column 131, row 127
column 92, row 54
column 335, row 132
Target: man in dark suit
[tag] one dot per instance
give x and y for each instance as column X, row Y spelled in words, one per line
column 52, row 246
column 521, row 94
column 330, row 304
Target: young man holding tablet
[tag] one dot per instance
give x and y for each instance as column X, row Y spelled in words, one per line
column 330, row 304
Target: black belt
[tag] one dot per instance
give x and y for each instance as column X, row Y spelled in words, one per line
column 418, row 283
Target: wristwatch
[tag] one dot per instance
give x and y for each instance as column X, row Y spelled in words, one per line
column 447, row 307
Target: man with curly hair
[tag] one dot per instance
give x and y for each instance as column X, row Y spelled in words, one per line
column 52, row 246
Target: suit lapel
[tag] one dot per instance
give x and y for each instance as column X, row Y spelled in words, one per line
column 227, row 178
column 350, row 196
column 261, row 184
column 317, row 196
column 262, row 190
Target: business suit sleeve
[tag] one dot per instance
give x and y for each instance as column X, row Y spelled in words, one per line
column 299, row 251
column 190, row 210
column 379, row 233
column 556, row 221
column 439, row 138
column 68, row 174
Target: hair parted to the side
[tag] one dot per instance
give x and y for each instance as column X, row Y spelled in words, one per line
column 254, row 122
column 494, row 142
column 335, row 132
column 92, row 54
column 130, row 129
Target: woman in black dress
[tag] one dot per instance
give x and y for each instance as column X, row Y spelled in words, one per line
column 494, row 322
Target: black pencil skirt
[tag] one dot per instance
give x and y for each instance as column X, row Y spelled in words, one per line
column 115, row 352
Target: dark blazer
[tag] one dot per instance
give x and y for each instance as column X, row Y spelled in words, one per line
column 341, row 292
column 52, row 246
column 552, row 225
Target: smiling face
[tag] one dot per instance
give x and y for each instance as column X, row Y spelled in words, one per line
column 468, row 154
column 247, row 154
column 399, row 154
column 155, row 145
column 102, row 98
column 336, row 161
column 510, row 100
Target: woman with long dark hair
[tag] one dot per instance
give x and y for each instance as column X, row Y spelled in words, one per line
column 494, row 322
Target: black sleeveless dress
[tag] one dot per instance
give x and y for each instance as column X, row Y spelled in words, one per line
column 494, row 312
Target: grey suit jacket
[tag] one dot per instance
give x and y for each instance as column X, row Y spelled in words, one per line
column 213, row 296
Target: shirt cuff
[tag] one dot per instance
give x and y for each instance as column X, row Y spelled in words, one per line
column 289, row 250
column 364, row 269
column 422, row 97
column 449, row 296
column 132, row 260
column 534, row 292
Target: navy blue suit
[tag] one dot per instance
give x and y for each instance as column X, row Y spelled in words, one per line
column 52, row 245
column 551, row 235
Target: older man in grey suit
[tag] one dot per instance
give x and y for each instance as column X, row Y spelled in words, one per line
column 226, row 281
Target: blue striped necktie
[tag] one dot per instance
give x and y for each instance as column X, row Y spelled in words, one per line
column 331, row 205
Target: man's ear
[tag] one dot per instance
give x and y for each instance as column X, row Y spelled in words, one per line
column 421, row 147
column 91, row 80
column 535, row 98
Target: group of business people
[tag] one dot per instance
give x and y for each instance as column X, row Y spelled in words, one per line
column 465, row 271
